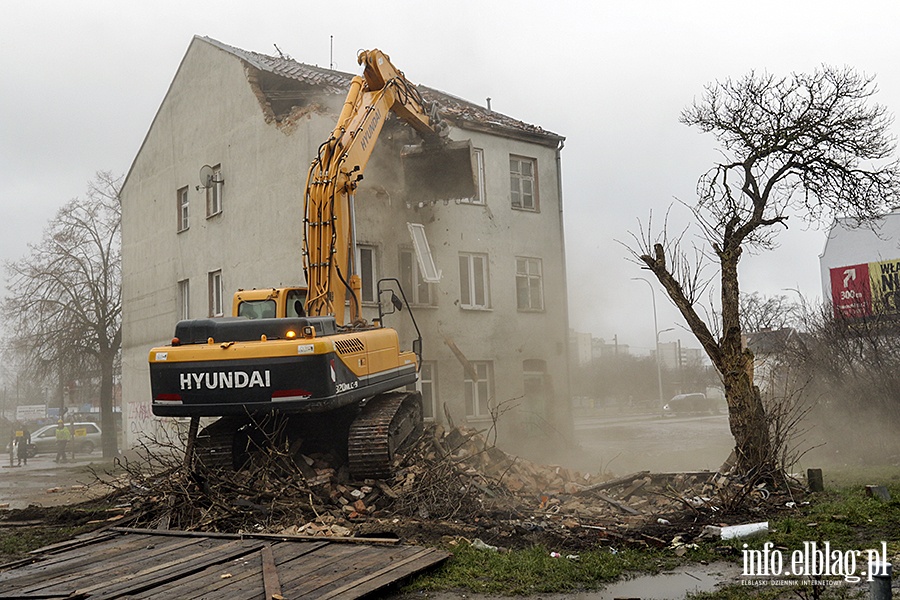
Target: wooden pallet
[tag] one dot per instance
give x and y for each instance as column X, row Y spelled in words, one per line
column 160, row 565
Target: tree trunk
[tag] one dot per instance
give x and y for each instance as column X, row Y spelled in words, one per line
column 747, row 418
column 746, row 415
column 107, row 417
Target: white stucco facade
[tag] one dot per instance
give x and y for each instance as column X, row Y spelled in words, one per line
column 215, row 114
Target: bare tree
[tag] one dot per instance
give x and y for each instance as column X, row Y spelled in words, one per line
column 809, row 145
column 760, row 313
column 65, row 301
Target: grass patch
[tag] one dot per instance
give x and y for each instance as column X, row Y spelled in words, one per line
column 18, row 542
column 845, row 517
column 534, row 570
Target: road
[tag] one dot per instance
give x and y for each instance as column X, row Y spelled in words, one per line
column 45, row 483
column 624, row 444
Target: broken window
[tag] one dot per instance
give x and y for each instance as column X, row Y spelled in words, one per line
column 214, row 192
column 417, row 290
column 184, row 299
column 216, row 294
column 479, row 391
column 529, row 284
column 474, row 285
column 183, row 208
column 480, row 192
column 522, row 183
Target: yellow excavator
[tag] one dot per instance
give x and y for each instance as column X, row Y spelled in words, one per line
column 289, row 367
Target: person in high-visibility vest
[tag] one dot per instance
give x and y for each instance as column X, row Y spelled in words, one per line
column 63, row 435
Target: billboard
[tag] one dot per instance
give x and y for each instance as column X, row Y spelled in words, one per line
column 866, row 289
column 31, row 412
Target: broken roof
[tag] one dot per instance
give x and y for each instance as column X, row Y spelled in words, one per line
column 461, row 113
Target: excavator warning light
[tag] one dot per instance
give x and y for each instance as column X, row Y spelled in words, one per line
column 176, row 341
column 291, row 334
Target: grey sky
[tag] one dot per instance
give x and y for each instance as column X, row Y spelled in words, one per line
column 82, row 82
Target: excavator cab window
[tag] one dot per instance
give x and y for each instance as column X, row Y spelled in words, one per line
column 257, row 309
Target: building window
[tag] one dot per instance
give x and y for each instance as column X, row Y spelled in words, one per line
column 216, row 306
column 479, row 197
column 214, row 192
column 479, row 391
column 427, row 386
column 184, row 299
column 417, row 290
column 535, row 405
column 368, row 273
column 529, row 284
column 474, row 283
column 183, row 209
column 522, row 188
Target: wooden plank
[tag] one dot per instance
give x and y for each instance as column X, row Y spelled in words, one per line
column 158, row 567
column 147, row 579
column 319, row 569
column 604, row 485
column 340, row 573
column 57, row 566
column 87, row 567
column 210, row 582
column 263, row 536
column 77, row 542
column 396, row 570
column 210, row 579
column 619, row 505
column 270, row 573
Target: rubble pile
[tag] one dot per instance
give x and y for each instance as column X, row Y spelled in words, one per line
column 449, row 483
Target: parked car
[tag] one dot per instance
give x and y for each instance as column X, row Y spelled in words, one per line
column 86, row 437
column 686, row 404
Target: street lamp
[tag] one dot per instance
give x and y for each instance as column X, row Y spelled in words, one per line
column 656, row 333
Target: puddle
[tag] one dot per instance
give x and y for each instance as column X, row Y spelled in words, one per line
column 668, row 585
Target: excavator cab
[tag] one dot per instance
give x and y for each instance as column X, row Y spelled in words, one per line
column 269, row 303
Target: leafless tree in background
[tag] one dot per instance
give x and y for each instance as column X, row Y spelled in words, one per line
column 808, row 145
column 64, row 306
column 761, row 313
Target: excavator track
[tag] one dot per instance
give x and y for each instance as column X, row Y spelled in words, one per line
column 214, row 445
column 387, row 423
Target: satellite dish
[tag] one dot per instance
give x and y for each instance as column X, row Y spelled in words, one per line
column 206, row 176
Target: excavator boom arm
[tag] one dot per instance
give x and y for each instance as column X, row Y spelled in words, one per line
column 335, row 173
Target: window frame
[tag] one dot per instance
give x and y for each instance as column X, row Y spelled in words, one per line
column 216, row 293
column 480, row 198
column 214, row 193
column 183, row 204
column 184, row 299
column 518, row 177
column 478, row 408
column 369, row 284
column 413, row 284
column 467, row 281
column 529, row 279
column 426, row 385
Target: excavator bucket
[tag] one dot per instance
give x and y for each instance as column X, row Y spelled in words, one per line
column 444, row 172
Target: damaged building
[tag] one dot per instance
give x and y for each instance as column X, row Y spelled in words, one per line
column 495, row 324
